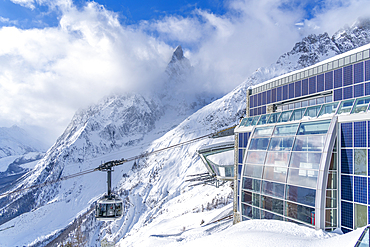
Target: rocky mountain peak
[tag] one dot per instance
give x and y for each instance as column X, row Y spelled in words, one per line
column 177, row 55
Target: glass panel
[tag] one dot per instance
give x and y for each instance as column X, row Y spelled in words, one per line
column 256, row 199
column 243, row 122
column 288, row 129
column 255, row 120
column 263, row 131
column 305, row 103
column 305, row 160
column 303, row 177
column 311, row 128
column 345, row 106
column 360, row 162
column 247, row 210
column 328, row 99
column 281, row 143
column 273, row 189
column 291, row 106
column 247, row 197
column 299, row 212
column 263, row 119
column 328, row 109
column 301, row 195
column 285, row 107
column 259, row 143
column 277, row 174
column 297, row 114
column 284, row 117
column 277, row 159
column 312, row 102
column 312, row 111
column 320, row 100
column 309, row 143
column 253, row 171
column 274, row 117
column 249, row 121
column 360, row 215
column 297, row 105
column 272, row 204
column 332, row 180
column 270, row 216
column 331, row 218
column 331, row 199
column 256, row 157
column 252, row 184
column 361, row 105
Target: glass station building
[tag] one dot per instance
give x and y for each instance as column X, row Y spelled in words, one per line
column 302, row 153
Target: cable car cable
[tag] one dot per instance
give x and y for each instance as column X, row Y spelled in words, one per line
column 113, row 163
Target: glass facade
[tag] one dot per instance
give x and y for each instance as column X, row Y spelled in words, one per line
column 306, row 154
column 280, row 172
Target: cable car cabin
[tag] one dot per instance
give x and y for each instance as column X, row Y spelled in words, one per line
column 109, row 209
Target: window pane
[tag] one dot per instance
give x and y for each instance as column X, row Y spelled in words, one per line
column 255, row 120
column 263, row 119
column 281, row 143
column 360, row 162
column 332, row 180
column 272, row 204
column 303, row 177
column 331, row 199
column 361, row 105
column 301, row 195
column 259, row 143
column 247, row 197
column 263, row 131
column 305, row 160
column 253, row 171
column 299, row 212
column 360, row 215
column 309, row 143
column 243, row 122
column 297, row 114
column 277, row 159
column 312, row 111
column 274, row 117
column 249, row 121
column 256, row 157
column 273, row 189
column 277, row 174
column 270, row 216
column 328, row 109
column 345, row 106
column 247, row 210
column 252, row 184
column 311, row 128
column 288, row 129
column 285, row 116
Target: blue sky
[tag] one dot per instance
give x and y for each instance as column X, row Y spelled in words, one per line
column 57, row 56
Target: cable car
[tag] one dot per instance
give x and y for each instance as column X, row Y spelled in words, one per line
column 110, row 207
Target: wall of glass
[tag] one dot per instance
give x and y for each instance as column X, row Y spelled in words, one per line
column 280, row 171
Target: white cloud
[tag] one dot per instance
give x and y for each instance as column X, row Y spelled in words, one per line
column 25, row 3
column 46, row 74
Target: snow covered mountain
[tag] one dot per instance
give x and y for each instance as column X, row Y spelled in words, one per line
column 154, row 190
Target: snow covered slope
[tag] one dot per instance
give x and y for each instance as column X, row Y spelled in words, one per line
column 154, row 190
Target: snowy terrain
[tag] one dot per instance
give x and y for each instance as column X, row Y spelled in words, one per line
column 160, row 207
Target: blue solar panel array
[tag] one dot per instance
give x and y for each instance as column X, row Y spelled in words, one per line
column 354, row 168
column 347, row 82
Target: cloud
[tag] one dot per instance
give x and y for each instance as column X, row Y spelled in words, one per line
column 47, row 74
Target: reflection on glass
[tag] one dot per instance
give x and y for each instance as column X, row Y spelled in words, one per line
column 305, row 103
column 288, row 129
column 309, row 143
column 328, row 98
column 263, row 131
column 303, row 177
column 328, row 109
column 297, row 114
column 299, row 212
column 273, row 189
column 345, row 106
column 263, row 119
column 270, row 216
column 256, row 157
column 284, row 117
column 312, row 111
column 311, row 128
column 272, row 204
column 277, row 159
column 253, row 171
column 312, row 102
column 305, row 160
column 291, row 106
column 332, row 180
column 259, row 143
column 274, row 117
column 297, row 105
column 360, row 162
column 249, row 121
column 320, row 100
column 361, row 105
column 277, row 174
column 360, row 215
column 281, row 143
column 243, row 122
column 255, row 120
column 331, row 199
column 301, row 195
column 252, row 184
